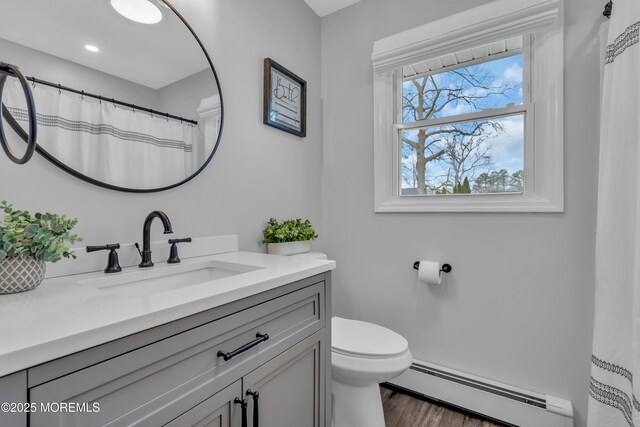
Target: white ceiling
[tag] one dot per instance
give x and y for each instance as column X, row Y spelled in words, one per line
column 325, row 7
column 150, row 55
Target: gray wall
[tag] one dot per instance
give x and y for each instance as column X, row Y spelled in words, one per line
column 518, row 306
column 257, row 172
column 182, row 98
column 35, row 63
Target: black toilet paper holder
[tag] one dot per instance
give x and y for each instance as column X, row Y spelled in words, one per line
column 446, row 268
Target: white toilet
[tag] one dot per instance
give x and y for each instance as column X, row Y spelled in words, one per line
column 363, row 355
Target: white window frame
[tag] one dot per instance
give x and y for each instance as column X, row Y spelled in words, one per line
column 538, row 20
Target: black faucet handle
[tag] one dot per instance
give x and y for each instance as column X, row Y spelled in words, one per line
column 185, row 240
column 110, row 246
column 113, row 265
column 173, row 253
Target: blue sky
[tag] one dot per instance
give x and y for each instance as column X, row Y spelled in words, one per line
column 504, row 71
column 505, row 147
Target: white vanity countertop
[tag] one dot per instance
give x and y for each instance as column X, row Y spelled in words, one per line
column 63, row 316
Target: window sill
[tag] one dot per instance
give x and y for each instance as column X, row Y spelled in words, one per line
column 469, row 203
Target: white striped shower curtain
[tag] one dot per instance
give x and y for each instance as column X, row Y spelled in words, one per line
column 615, row 371
column 110, row 144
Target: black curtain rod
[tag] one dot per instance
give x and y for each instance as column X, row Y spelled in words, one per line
column 607, row 9
column 111, row 100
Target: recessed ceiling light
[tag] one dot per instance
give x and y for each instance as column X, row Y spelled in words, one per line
column 91, row 48
column 141, row 11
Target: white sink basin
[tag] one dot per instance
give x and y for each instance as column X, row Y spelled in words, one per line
column 166, row 277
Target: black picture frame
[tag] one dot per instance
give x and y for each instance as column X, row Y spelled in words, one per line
column 285, row 106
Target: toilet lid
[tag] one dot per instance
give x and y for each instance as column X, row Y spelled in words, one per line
column 363, row 339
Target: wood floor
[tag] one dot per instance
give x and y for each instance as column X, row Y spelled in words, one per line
column 401, row 410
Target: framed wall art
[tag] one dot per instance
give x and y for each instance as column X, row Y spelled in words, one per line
column 285, row 99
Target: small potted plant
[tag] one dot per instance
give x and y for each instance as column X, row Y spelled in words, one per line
column 291, row 236
column 27, row 243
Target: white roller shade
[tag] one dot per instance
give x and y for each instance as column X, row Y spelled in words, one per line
column 498, row 20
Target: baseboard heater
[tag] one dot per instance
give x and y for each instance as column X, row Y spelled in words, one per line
column 509, row 404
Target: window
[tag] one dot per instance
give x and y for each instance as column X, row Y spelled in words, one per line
column 462, row 122
column 476, row 126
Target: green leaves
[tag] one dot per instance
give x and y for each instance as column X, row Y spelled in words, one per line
column 290, row 230
column 42, row 236
column 32, row 229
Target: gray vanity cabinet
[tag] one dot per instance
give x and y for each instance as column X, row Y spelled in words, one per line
column 173, row 374
column 291, row 387
column 217, row 411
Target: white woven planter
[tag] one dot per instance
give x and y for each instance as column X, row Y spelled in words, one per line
column 289, row 248
column 21, row 274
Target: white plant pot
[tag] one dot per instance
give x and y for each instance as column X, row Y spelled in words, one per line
column 289, row 248
column 21, row 274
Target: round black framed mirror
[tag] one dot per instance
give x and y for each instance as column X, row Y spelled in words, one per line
column 126, row 95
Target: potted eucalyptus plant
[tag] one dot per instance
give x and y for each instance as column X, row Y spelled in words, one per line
column 27, row 242
column 291, row 236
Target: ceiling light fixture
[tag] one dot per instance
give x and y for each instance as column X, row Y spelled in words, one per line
column 141, row 11
column 91, row 48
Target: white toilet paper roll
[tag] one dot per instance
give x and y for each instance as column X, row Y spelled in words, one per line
column 429, row 272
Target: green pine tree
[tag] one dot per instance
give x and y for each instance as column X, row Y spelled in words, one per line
column 466, row 188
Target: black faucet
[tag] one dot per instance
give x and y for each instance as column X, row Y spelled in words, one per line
column 146, row 236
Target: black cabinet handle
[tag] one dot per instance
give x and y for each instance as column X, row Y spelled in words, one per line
column 228, row 356
column 30, row 139
column 256, row 415
column 243, row 404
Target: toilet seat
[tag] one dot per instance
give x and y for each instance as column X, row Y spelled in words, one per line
column 365, row 340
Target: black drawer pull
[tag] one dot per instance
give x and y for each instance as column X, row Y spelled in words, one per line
column 256, row 415
column 228, row 356
column 243, row 404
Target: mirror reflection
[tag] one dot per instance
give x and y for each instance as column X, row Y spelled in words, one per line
column 125, row 95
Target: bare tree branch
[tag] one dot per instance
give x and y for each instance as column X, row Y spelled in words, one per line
column 463, row 147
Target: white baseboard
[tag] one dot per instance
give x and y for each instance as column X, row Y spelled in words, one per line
column 499, row 401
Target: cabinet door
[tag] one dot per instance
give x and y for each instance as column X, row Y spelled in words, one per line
column 291, row 386
column 13, row 389
column 217, row 411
